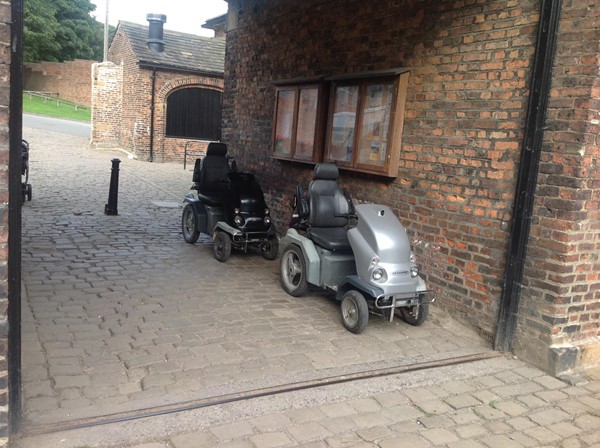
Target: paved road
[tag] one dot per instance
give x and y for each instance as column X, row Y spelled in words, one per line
column 119, row 314
column 68, row 127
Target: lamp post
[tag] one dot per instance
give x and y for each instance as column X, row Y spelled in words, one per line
column 105, row 58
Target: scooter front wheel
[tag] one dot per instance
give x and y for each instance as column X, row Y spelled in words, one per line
column 414, row 315
column 293, row 271
column 188, row 225
column 355, row 312
column 222, row 247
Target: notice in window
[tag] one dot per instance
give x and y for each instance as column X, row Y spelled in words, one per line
column 341, row 141
column 284, row 125
column 372, row 146
column 307, row 122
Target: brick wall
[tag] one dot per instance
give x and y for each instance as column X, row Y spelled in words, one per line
column 70, row 80
column 134, row 116
column 134, row 103
column 5, row 61
column 470, row 65
column 170, row 148
column 561, row 296
column 464, row 114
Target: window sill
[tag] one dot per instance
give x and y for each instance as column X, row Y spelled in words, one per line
column 392, row 174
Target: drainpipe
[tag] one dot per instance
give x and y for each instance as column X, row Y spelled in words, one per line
column 528, row 172
column 155, row 43
column 152, row 115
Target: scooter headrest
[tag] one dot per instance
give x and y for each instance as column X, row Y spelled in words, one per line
column 326, row 171
column 216, row 149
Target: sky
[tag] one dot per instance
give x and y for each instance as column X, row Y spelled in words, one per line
column 186, row 16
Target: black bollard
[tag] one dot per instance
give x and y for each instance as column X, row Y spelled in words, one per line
column 113, row 194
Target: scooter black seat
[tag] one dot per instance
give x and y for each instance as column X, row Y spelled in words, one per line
column 213, row 183
column 329, row 209
column 330, row 238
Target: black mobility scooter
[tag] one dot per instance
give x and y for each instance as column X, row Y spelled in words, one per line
column 228, row 205
column 25, row 185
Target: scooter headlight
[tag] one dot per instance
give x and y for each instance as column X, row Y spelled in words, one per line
column 414, row 271
column 267, row 218
column 378, row 274
column 237, row 219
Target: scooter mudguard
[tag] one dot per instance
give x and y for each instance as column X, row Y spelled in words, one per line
column 354, row 282
column 313, row 262
column 200, row 210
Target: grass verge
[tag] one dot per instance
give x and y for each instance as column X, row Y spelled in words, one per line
column 52, row 108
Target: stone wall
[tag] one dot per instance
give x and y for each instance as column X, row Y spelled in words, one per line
column 470, row 67
column 107, row 94
column 69, row 80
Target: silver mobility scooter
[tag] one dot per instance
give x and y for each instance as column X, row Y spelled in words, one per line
column 370, row 265
column 228, row 205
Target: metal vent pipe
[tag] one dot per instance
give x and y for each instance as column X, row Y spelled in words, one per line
column 155, row 32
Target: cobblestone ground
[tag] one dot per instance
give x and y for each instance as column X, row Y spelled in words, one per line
column 119, row 314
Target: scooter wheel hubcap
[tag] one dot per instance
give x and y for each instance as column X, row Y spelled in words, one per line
column 349, row 312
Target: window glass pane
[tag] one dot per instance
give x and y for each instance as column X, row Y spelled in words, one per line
column 285, row 121
column 373, row 141
column 307, row 122
column 342, row 128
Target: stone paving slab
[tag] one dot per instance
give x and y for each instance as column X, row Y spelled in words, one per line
column 379, row 412
column 119, row 314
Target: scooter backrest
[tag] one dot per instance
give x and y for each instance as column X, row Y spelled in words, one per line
column 216, row 149
column 326, row 200
column 213, row 174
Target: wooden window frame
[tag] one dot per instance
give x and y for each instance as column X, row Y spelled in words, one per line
column 326, row 102
column 319, row 122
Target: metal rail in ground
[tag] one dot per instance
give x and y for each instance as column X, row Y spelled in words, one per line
column 248, row 395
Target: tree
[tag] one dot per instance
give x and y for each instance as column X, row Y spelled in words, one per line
column 40, row 27
column 60, row 30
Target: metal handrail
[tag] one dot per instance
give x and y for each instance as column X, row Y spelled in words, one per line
column 185, row 152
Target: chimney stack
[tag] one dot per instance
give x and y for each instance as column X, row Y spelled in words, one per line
column 155, row 32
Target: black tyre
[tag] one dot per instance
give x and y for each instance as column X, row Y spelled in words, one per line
column 188, row 225
column 29, row 192
column 293, row 271
column 270, row 248
column 414, row 315
column 222, row 247
column 355, row 312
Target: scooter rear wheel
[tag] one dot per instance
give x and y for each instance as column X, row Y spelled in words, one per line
column 355, row 312
column 293, row 271
column 222, row 247
column 188, row 225
column 270, row 248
